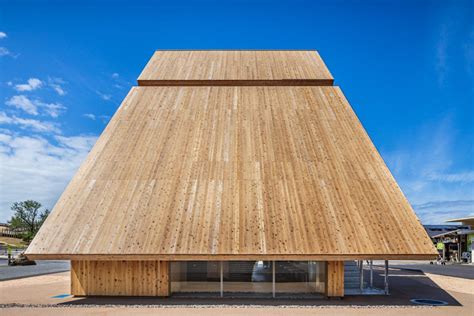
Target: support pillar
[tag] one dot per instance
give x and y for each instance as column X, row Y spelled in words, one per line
column 335, row 279
column 371, row 274
column 221, row 278
column 273, row 279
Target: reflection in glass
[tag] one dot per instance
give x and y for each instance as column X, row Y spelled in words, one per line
column 247, row 277
column 300, row 277
column 195, row 276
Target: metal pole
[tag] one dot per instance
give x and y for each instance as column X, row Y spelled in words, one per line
column 273, row 279
column 459, row 248
column 361, row 269
column 371, row 274
column 222, row 279
column 386, row 278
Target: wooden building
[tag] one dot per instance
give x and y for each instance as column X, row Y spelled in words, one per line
column 227, row 172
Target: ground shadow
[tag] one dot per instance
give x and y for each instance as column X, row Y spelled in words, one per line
column 404, row 286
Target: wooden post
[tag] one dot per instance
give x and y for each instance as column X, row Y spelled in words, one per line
column 164, row 284
column 77, row 284
column 120, row 278
column 335, row 279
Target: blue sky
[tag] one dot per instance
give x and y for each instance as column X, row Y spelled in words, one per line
column 406, row 67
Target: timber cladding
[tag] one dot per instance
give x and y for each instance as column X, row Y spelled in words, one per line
column 233, row 172
column 120, row 278
column 241, row 67
column 335, row 279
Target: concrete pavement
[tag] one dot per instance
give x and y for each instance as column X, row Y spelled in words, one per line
column 41, row 267
column 43, row 295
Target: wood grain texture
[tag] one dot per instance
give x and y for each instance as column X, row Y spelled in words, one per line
column 120, row 278
column 224, row 67
column 335, row 279
column 219, row 172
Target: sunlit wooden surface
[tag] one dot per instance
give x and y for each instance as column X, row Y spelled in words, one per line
column 233, row 172
column 220, row 67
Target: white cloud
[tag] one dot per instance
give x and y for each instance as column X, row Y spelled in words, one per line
column 53, row 109
column 115, row 75
column 29, row 124
column 426, row 170
column 5, row 52
column 464, row 177
column 33, row 167
column 59, row 90
column 105, row 118
column 437, row 212
column 32, row 84
column 3, row 35
column 56, row 85
column 5, row 119
column 89, row 116
column 104, row 96
column 23, row 103
column 32, row 106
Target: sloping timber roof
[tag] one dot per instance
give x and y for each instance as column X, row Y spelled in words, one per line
column 233, row 172
column 235, row 68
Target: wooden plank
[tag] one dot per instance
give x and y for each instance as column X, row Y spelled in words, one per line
column 78, row 274
column 120, row 278
column 164, row 282
column 243, row 172
column 282, row 82
column 229, row 257
column 221, row 67
column 335, row 279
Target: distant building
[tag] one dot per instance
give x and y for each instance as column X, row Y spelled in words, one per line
column 466, row 235
column 453, row 242
column 434, row 230
column 7, row 231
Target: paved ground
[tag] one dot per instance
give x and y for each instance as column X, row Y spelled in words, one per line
column 41, row 267
column 454, row 270
column 39, row 296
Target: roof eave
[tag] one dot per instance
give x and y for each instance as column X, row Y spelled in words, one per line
column 234, row 257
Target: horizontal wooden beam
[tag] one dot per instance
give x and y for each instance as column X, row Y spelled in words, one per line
column 229, row 257
column 286, row 82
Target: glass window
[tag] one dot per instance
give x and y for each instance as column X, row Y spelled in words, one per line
column 248, row 278
column 299, row 277
column 195, row 277
column 243, row 278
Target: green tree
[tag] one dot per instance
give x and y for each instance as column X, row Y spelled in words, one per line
column 28, row 217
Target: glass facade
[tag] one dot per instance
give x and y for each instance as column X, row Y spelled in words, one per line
column 195, row 277
column 303, row 277
column 247, row 278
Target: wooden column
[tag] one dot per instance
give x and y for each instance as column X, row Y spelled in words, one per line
column 335, row 279
column 120, row 278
